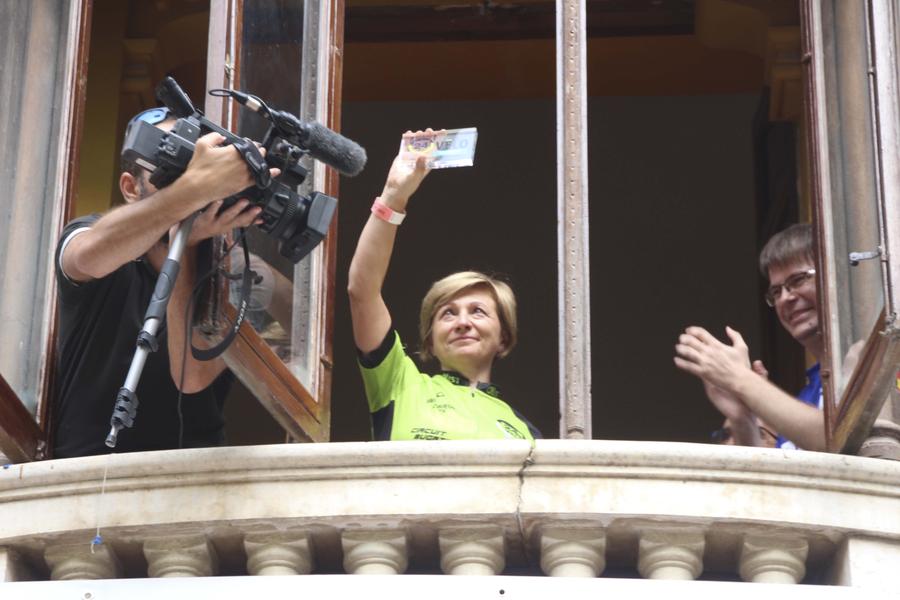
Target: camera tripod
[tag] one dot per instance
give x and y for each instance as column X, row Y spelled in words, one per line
column 126, row 405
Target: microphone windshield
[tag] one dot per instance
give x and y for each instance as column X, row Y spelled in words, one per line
column 333, row 149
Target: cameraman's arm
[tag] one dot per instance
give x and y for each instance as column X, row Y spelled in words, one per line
column 129, row 231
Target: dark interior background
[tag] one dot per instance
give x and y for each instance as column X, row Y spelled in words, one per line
column 672, row 232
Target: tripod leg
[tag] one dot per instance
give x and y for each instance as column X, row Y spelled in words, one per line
column 125, row 409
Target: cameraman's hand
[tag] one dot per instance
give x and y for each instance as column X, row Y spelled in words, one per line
column 211, row 223
column 216, row 171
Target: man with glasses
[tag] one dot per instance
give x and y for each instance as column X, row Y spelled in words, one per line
column 740, row 389
column 106, row 268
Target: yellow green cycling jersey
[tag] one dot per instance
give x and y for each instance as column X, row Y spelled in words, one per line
column 407, row 404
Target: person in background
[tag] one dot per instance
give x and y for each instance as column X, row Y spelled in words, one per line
column 739, row 389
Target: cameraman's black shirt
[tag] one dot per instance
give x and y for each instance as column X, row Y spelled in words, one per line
column 98, row 324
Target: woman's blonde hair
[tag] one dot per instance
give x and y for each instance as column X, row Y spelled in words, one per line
column 444, row 290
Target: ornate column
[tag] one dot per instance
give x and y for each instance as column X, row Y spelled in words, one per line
column 573, row 249
column 675, row 553
column 374, row 552
column 472, row 550
column 773, row 559
column 279, row 553
column 188, row 556
column 570, row 550
column 82, row 561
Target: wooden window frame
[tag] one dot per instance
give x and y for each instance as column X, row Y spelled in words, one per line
column 21, row 439
column 305, row 414
column 23, row 436
column 849, row 420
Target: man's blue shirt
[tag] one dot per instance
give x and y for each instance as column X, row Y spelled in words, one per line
column 810, row 394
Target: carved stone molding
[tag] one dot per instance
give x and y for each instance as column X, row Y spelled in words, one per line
column 570, row 550
column 472, row 550
column 634, row 489
column 279, row 553
column 374, row 552
column 82, row 561
column 189, row 556
column 773, row 559
column 675, row 553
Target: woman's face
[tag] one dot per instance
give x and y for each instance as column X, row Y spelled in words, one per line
column 466, row 331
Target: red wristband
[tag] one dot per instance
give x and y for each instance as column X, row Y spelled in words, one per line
column 386, row 213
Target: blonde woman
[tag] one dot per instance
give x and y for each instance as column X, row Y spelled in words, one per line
column 467, row 321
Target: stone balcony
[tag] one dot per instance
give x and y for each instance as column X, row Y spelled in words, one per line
column 619, row 512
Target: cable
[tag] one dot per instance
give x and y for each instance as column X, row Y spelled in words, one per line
column 188, row 328
column 98, row 539
column 254, row 103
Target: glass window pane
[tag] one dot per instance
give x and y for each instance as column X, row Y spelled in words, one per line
column 276, row 66
column 855, row 288
column 33, row 54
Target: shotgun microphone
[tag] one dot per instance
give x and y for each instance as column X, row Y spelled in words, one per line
column 330, row 147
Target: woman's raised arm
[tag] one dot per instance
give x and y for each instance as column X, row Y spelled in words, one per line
column 370, row 316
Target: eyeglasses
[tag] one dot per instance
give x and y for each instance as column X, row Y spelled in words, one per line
column 151, row 116
column 794, row 282
column 720, row 436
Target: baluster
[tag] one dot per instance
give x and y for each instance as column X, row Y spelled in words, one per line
column 82, row 561
column 671, row 553
column 472, row 550
column 570, row 550
column 278, row 553
column 773, row 559
column 374, row 552
column 187, row 556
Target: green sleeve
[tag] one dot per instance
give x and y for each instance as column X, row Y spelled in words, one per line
column 383, row 381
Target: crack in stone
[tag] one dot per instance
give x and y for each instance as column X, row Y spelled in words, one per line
column 529, row 460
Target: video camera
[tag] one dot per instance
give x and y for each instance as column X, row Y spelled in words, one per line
column 298, row 222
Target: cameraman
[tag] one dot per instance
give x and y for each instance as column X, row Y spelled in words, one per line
column 106, row 270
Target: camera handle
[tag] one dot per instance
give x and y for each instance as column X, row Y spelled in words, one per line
column 126, row 405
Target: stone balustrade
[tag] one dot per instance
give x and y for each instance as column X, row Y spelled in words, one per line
column 657, row 511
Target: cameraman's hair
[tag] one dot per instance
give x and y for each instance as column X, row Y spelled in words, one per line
column 788, row 246
column 444, row 290
column 129, row 166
